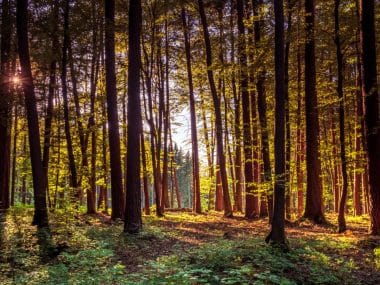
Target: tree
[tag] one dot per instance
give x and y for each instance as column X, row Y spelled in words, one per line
column 194, row 135
column 372, row 113
column 277, row 233
column 313, row 206
column 5, row 103
column 250, row 196
column 339, row 55
column 218, row 115
column 112, row 114
column 133, row 222
column 69, row 142
column 40, row 217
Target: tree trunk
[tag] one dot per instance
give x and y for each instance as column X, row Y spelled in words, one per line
column 371, row 95
column 70, row 151
column 133, row 222
column 313, row 207
column 339, row 55
column 250, row 196
column 5, row 103
column 40, row 217
column 194, row 135
column 218, row 115
column 112, row 113
column 277, row 233
column 262, row 109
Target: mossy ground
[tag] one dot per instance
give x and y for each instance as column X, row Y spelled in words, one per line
column 182, row 248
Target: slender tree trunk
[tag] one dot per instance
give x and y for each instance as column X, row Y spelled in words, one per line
column 250, row 196
column 70, row 151
column 194, row 135
column 218, row 115
column 145, row 175
column 371, row 95
column 339, row 55
column 290, row 4
column 40, row 217
column 14, row 154
column 277, row 234
column 300, row 137
column 166, row 110
column 112, row 114
column 313, row 207
column 262, row 109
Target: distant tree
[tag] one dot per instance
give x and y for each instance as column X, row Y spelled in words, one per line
column 372, row 112
column 133, row 223
column 40, row 217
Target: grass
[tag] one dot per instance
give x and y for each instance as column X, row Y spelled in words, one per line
column 181, row 248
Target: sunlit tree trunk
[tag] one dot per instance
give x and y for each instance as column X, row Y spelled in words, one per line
column 250, row 196
column 218, row 115
column 194, row 135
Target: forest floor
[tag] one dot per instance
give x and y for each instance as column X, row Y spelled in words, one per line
column 182, row 248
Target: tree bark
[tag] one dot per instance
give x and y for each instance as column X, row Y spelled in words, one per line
column 371, row 97
column 218, row 115
column 277, row 233
column 313, row 207
column 40, row 217
column 339, row 55
column 112, row 114
column 133, row 222
column 5, row 103
column 194, row 135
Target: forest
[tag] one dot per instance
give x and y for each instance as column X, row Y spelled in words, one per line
column 189, row 142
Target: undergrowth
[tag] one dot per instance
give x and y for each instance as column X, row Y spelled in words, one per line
column 88, row 250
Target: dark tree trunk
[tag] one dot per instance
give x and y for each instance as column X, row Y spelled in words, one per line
column 313, row 207
column 194, row 135
column 371, row 95
column 218, row 115
column 277, row 233
column 133, row 222
column 112, row 114
column 339, row 55
column 5, row 103
column 70, row 151
column 40, row 217
column 50, row 100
